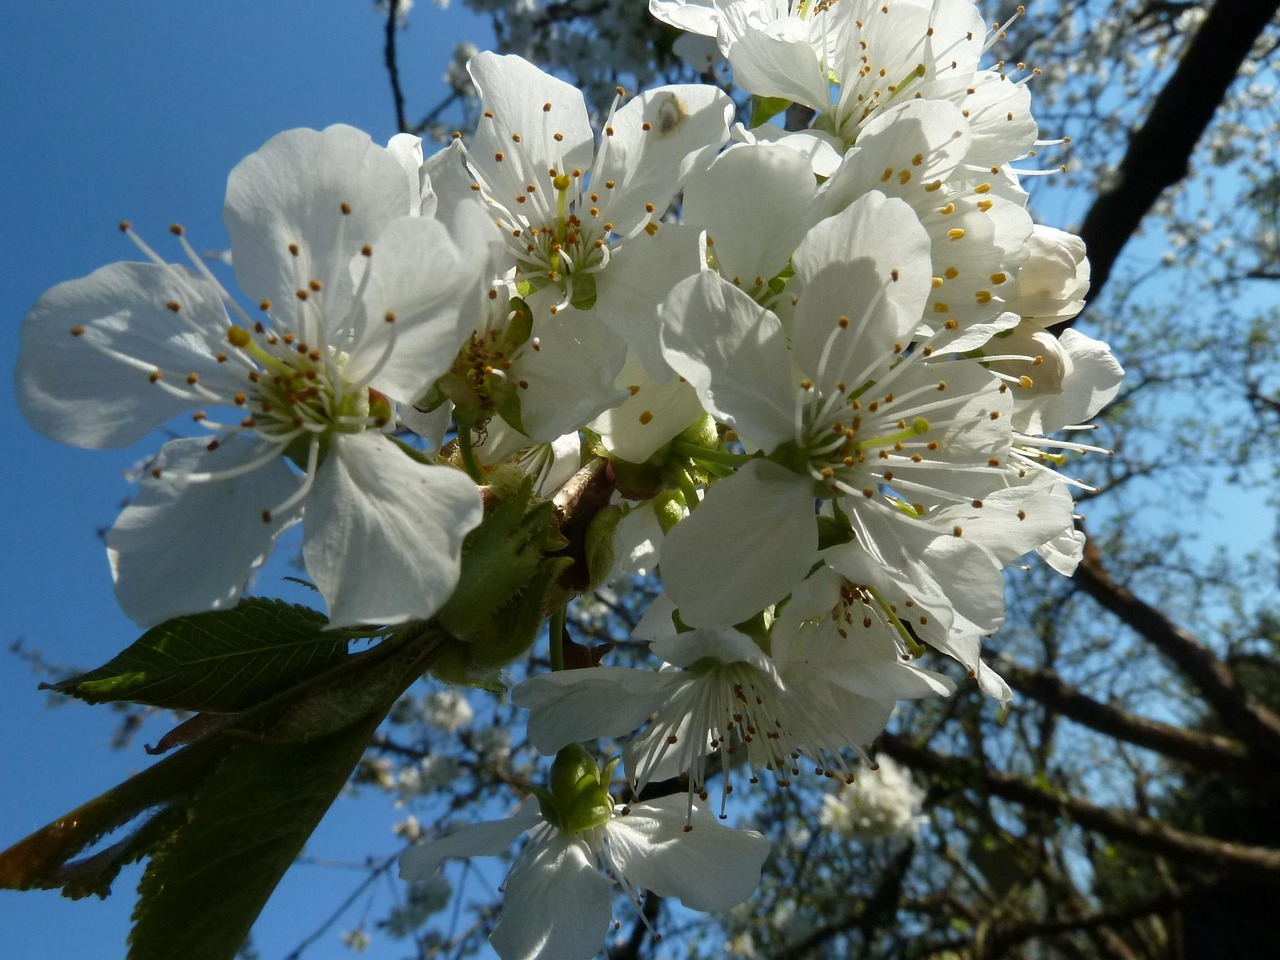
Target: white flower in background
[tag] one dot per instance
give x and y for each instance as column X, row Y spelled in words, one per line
column 883, row 802
column 361, row 302
column 557, row 900
column 447, row 710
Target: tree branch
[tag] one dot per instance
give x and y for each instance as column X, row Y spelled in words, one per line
column 1159, row 151
column 1203, row 750
column 1254, row 724
column 393, row 65
column 955, row 775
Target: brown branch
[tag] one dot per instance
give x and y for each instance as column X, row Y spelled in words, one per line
column 1204, row 750
column 393, row 65
column 1159, row 151
column 866, row 914
column 1254, row 724
column 953, row 775
column 1001, row 939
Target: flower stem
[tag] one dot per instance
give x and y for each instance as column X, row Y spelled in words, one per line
column 467, row 455
column 555, row 636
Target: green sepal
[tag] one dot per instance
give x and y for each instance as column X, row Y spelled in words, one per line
column 507, row 635
column 506, row 401
column 668, row 507
column 547, row 806
column 498, row 558
column 579, row 792
column 600, row 542
column 217, row 662
column 431, row 400
column 833, row 531
column 764, row 109
column 584, row 291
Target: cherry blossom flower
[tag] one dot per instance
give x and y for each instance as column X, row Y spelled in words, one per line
column 361, row 301
column 843, row 412
column 557, row 901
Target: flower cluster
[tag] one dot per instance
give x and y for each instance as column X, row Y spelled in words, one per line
column 819, row 362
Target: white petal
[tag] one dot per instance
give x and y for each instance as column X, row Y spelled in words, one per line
column 522, row 128
column 1064, row 552
column 570, row 706
column 185, row 547
column 652, row 414
column 637, row 283
column 407, row 150
column 727, row 646
column 695, row 16
column 823, row 150
column 734, row 353
column 94, row 388
column 710, row 867
column 487, row 839
column 993, row 685
column 890, row 680
column 846, row 268
column 753, row 239
column 556, row 905
column 657, row 139
column 1093, row 383
column 292, row 191
column 570, row 378
column 934, row 132
column 743, row 548
column 431, row 281
column 769, row 66
column 384, row 532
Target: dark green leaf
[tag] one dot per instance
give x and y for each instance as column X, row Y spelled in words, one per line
column 218, row 662
column 208, row 881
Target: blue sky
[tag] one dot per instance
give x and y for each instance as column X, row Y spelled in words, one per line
column 138, row 111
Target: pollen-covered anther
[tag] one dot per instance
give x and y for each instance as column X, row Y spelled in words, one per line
column 294, row 249
column 155, row 376
column 958, row 530
column 389, row 316
column 174, row 305
column 366, row 251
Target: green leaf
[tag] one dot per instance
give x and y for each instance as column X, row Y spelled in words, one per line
column 218, row 662
column 222, row 818
column 208, row 881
